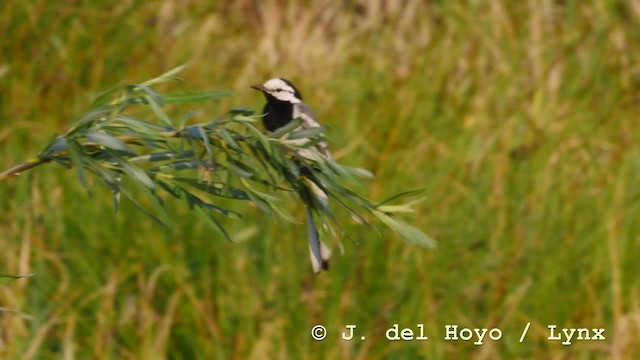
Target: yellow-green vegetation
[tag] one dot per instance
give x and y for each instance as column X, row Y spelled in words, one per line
column 520, row 119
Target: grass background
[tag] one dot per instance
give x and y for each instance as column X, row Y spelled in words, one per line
column 520, row 119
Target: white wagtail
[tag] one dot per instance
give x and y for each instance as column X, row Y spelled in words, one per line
column 284, row 104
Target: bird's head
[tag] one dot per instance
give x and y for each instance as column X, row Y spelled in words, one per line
column 279, row 89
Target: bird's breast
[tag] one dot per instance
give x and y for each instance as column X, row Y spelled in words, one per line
column 277, row 115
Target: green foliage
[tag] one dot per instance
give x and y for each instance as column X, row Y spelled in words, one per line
column 228, row 157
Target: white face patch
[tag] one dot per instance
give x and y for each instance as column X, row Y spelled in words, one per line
column 281, row 90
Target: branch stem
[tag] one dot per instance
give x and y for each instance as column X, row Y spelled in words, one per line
column 18, row 169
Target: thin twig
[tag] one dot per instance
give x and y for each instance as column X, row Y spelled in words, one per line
column 18, row 169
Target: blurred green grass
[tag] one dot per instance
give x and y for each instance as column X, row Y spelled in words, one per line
column 518, row 118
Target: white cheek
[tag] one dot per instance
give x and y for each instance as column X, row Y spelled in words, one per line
column 286, row 96
column 292, row 98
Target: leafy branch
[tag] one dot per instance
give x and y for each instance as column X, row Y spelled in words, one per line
column 206, row 165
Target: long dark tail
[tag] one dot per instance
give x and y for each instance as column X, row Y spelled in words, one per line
column 318, row 251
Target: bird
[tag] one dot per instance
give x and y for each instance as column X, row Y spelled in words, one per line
column 284, row 104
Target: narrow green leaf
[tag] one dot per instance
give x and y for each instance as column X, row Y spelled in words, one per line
column 137, row 174
column 76, row 154
column 226, row 212
column 218, row 189
column 135, row 201
column 108, row 176
column 363, row 173
column 256, row 197
column 162, row 156
column 152, row 95
column 91, row 116
column 179, row 165
column 406, row 231
column 106, row 96
column 182, row 97
column 184, row 119
column 280, row 132
column 213, row 223
column 168, row 76
column 241, row 111
column 205, row 139
column 226, row 137
column 261, row 138
column 306, row 133
column 282, row 213
column 155, row 107
column 138, row 125
column 108, row 141
column 404, row 194
column 194, row 201
column 240, row 172
column 260, row 203
column 404, row 208
column 267, row 197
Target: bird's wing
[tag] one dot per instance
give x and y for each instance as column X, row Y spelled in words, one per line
column 302, row 111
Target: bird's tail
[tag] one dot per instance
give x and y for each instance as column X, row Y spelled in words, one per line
column 318, row 251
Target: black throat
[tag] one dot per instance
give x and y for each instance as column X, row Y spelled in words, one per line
column 277, row 113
